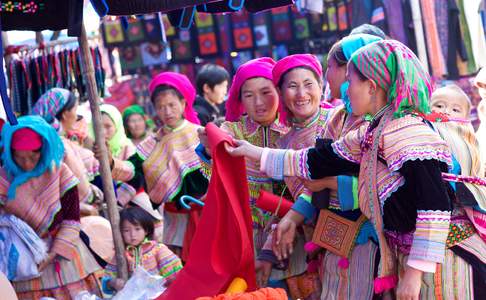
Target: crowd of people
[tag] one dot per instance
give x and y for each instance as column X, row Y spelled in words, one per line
column 384, row 168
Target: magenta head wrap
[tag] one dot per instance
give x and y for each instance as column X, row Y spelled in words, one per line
column 288, row 63
column 259, row 67
column 182, row 84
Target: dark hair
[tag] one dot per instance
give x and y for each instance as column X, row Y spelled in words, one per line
column 368, row 29
column 360, row 74
column 280, row 82
column 337, row 54
column 165, row 88
column 71, row 101
column 137, row 216
column 211, row 75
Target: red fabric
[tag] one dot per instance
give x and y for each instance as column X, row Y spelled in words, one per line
column 26, row 139
column 269, row 202
column 222, row 247
column 194, row 217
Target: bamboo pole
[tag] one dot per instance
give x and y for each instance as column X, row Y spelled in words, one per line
column 109, row 193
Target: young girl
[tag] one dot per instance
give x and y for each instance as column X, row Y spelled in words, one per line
column 137, row 228
column 165, row 163
column 137, row 124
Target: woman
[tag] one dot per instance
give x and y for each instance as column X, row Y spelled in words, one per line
column 340, row 277
column 166, row 161
column 299, row 81
column 37, row 187
column 137, row 124
column 400, row 187
column 58, row 108
column 251, row 115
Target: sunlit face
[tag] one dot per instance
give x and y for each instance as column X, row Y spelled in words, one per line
column 26, row 160
column 450, row 104
column 136, row 125
column 217, row 94
column 301, row 93
column 108, row 126
column 335, row 76
column 358, row 92
column 133, row 234
column 260, row 99
column 69, row 117
column 169, row 108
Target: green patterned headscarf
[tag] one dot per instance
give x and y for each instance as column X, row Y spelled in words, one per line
column 397, row 70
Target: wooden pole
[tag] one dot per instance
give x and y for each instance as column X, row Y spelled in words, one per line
column 109, row 193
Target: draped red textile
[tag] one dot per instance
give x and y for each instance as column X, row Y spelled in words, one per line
column 222, row 247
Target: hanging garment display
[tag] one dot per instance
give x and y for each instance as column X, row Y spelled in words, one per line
column 242, row 33
column 260, row 30
column 300, row 25
column 207, row 35
column 32, row 74
column 281, row 26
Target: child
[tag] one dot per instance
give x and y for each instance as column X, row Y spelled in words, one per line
column 452, row 101
column 137, row 227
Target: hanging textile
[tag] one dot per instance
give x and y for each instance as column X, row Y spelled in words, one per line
column 476, row 31
column 300, row 24
column 207, row 35
column 31, row 74
column 130, row 59
column 436, row 58
column 281, row 26
column 395, row 20
column 342, row 15
column 260, row 30
column 181, row 47
column 242, row 33
column 419, row 32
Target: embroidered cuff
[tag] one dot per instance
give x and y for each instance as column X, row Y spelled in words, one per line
column 346, row 193
column 305, row 208
column 422, row 265
column 429, row 238
column 66, row 238
column 272, row 163
column 122, row 170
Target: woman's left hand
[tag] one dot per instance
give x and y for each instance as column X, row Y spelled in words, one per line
column 409, row 286
column 243, row 148
column 50, row 257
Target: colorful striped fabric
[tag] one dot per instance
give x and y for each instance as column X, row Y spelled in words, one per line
column 302, row 136
column 169, row 157
column 430, row 235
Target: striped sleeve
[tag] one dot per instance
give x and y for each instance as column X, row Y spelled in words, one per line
column 168, row 263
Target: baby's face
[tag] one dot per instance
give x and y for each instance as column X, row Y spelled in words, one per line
column 454, row 107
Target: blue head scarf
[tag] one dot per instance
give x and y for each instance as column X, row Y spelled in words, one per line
column 52, row 151
column 351, row 44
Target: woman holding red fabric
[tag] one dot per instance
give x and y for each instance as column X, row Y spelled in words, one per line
column 165, row 163
column 37, row 187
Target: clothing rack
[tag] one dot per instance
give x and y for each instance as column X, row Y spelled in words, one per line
column 13, row 49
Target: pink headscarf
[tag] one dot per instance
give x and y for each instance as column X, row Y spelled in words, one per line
column 288, row 63
column 181, row 83
column 259, row 67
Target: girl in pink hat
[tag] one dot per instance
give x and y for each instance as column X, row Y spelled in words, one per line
column 165, row 163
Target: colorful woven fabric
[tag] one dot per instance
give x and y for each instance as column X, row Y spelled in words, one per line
column 181, row 83
column 50, row 104
column 154, row 257
column 169, row 156
column 260, row 67
column 397, row 70
column 52, row 151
